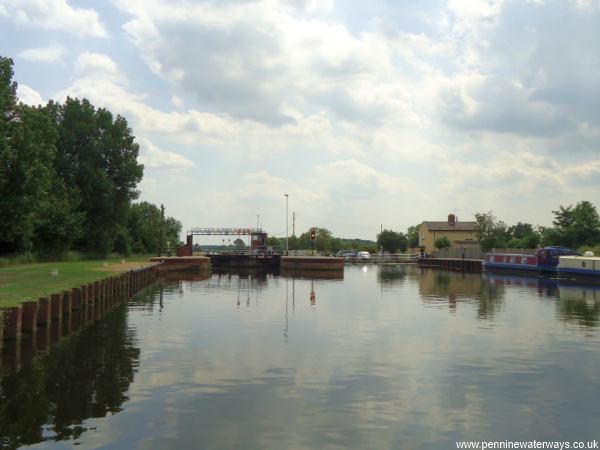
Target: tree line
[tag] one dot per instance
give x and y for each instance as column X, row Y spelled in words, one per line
column 325, row 242
column 68, row 177
column 576, row 227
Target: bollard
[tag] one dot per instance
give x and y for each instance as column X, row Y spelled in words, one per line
column 12, row 323
column 56, row 302
column 44, row 317
column 29, row 317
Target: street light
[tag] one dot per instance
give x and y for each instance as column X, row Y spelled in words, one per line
column 286, row 225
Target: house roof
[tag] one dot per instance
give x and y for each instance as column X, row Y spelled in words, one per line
column 444, row 226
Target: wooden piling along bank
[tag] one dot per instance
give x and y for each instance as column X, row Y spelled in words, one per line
column 457, row 264
column 49, row 318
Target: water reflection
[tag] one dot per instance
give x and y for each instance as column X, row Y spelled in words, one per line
column 439, row 287
column 575, row 303
column 86, row 375
column 268, row 361
column 392, row 274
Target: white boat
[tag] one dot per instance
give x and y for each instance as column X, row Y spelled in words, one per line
column 586, row 266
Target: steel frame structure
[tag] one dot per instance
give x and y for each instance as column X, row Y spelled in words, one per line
column 224, row 231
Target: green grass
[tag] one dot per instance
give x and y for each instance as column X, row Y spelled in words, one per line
column 22, row 282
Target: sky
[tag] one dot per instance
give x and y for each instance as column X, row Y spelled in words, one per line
column 367, row 114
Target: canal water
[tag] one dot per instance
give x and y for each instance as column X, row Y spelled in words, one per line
column 385, row 357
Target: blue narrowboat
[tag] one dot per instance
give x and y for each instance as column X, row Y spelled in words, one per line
column 544, row 260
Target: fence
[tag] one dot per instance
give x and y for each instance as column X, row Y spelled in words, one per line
column 477, row 252
column 459, row 253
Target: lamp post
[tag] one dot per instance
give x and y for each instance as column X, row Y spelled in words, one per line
column 286, row 225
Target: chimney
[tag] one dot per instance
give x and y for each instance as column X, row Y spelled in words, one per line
column 451, row 219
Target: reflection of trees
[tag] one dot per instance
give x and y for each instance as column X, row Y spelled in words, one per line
column 391, row 274
column 86, row 376
column 491, row 300
column 452, row 287
column 580, row 305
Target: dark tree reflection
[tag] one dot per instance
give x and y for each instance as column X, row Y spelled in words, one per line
column 437, row 286
column 85, row 376
column 580, row 304
column 390, row 275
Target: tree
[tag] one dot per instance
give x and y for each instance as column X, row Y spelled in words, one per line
column 392, row 241
column 97, row 154
column 412, row 235
column 8, row 101
column 442, row 242
column 523, row 235
column 491, row 233
column 145, row 228
column 577, row 226
column 239, row 243
column 26, row 163
column 273, row 241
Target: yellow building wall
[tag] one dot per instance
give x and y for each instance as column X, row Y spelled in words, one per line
column 427, row 238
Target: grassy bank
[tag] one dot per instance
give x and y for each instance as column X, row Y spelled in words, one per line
column 22, row 282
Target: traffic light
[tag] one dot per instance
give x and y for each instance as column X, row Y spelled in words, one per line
column 313, row 234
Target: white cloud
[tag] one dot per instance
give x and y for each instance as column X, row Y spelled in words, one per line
column 28, row 95
column 440, row 112
column 48, row 54
column 264, row 60
column 357, row 179
column 96, row 64
column 152, row 157
column 55, row 15
column 176, row 101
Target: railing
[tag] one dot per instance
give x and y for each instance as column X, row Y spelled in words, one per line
column 477, row 253
column 459, row 253
column 397, row 258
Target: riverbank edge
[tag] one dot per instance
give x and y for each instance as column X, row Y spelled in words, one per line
column 89, row 301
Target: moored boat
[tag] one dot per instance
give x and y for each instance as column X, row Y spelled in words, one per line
column 510, row 261
column 586, row 266
column 544, row 260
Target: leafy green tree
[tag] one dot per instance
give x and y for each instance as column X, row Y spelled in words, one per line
column 412, row 236
column 8, row 102
column 442, row 242
column 491, row 233
column 273, row 241
column 577, row 226
column 239, row 243
column 97, row 154
column 325, row 242
column 172, row 231
column 145, row 228
column 392, row 241
column 523, row 235
column 28, row 176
